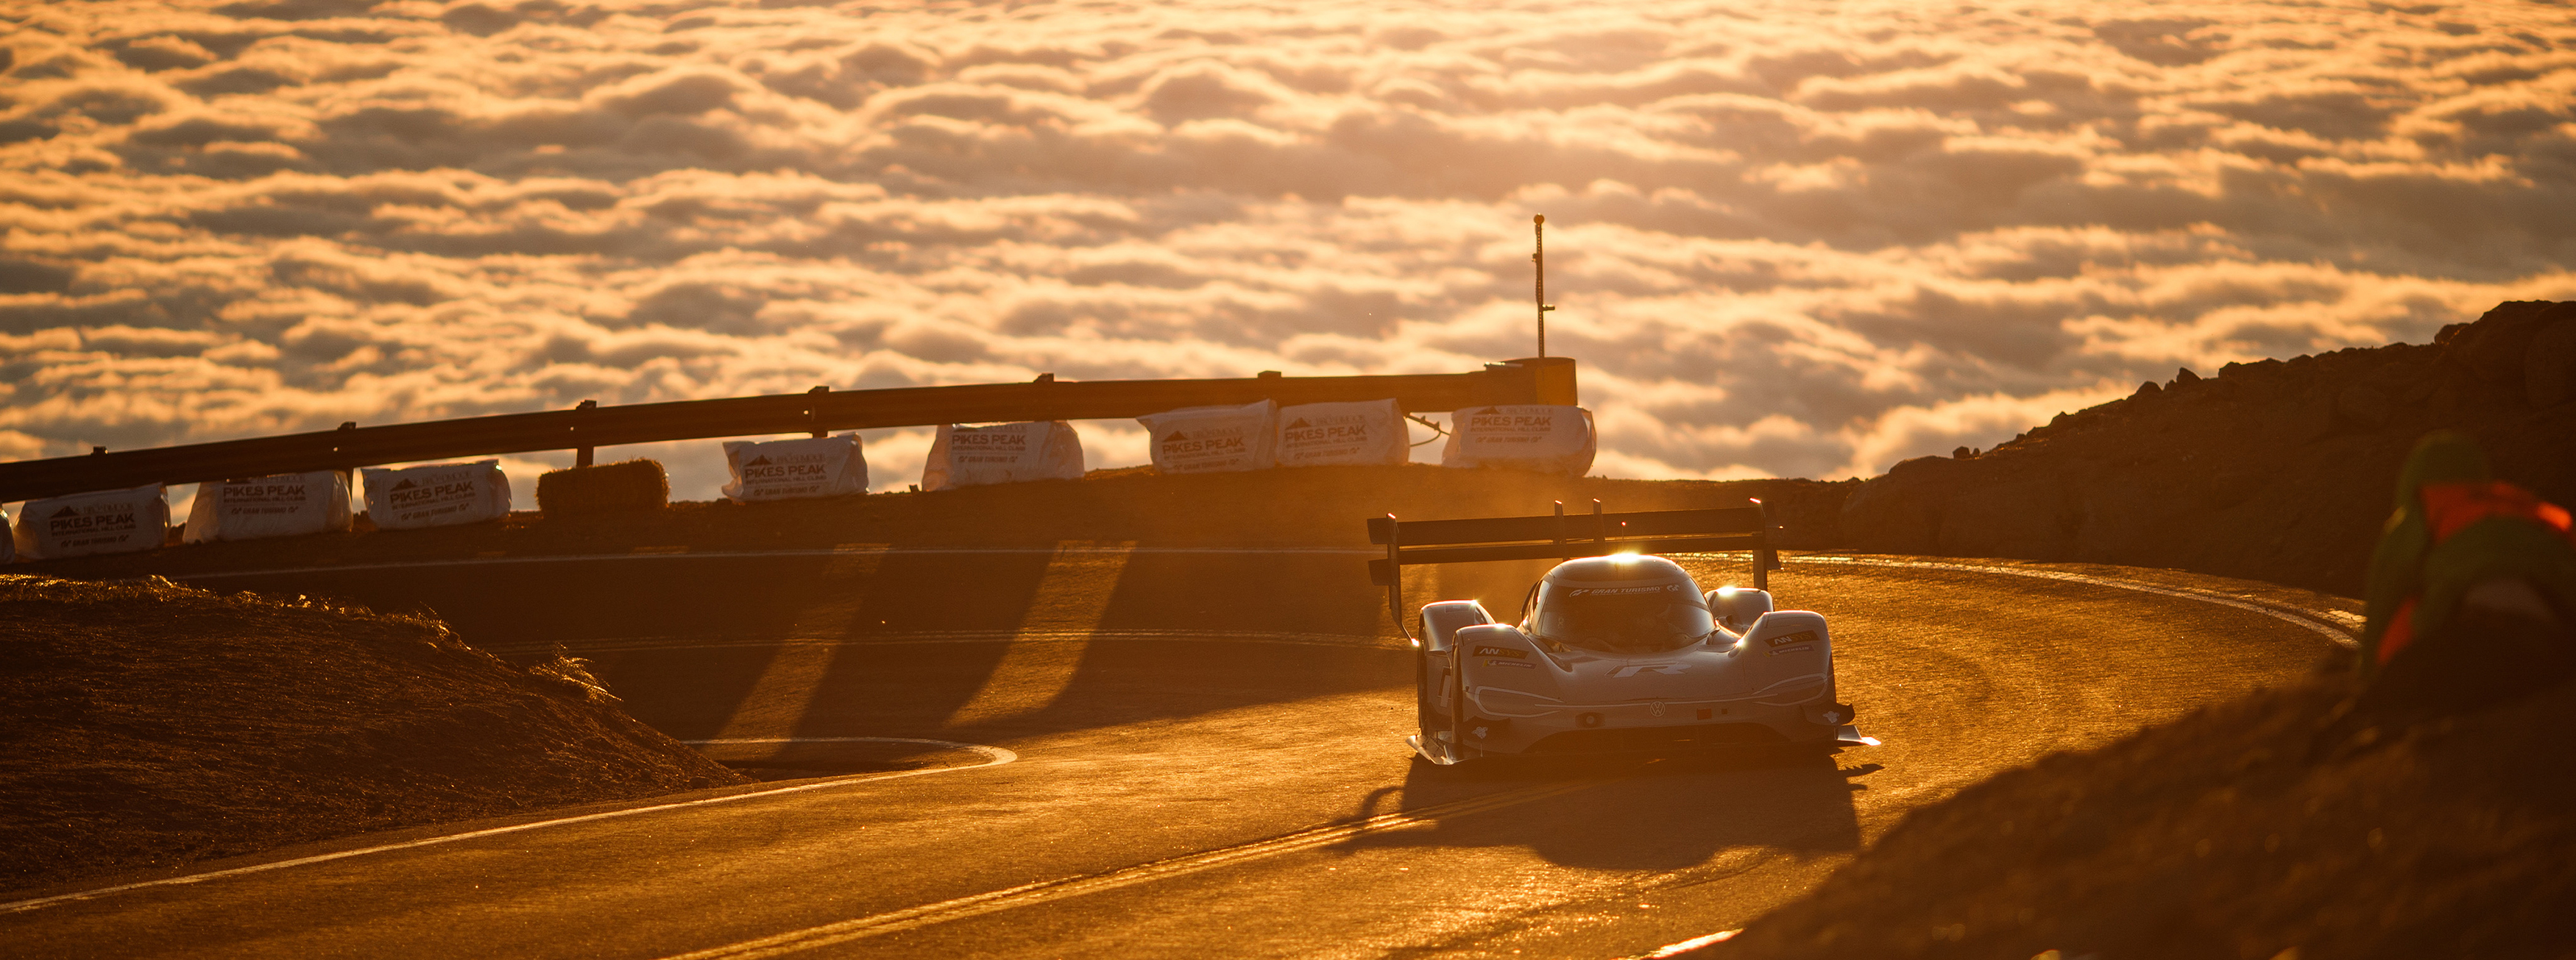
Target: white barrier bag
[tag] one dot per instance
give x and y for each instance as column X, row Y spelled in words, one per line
column 436, row 496
column 1542, row 438
column 282, row 505
column 1007, row 453
column 110, row 521
column 1212, row 439
column 795, row 469
column 1369, row 432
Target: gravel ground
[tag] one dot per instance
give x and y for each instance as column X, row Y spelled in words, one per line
column 151, row 725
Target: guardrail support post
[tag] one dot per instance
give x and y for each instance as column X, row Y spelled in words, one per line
column 342, row 463
column 1765, row 559
column 816, row 411
column 581, row 456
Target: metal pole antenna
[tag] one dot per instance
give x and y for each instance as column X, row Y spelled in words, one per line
column 1538, row 231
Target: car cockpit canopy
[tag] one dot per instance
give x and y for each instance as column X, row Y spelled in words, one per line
column 1625, row 603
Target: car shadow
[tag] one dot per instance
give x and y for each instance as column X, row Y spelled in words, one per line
column 1632, row 813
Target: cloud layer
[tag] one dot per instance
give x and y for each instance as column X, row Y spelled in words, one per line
column 1786, row 238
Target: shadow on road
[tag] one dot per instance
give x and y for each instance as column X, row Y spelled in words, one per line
column 903, row 643
column 1639, row 813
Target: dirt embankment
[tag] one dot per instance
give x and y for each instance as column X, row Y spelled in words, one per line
column 2279, row 470
column 152, row 725
column 2269, row 827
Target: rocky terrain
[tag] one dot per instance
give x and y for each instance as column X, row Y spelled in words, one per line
column 2277, row 827
column 2279, row 470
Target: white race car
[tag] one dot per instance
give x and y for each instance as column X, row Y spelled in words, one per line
column 1615, row 653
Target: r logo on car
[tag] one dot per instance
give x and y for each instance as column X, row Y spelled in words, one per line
column 1638, row 668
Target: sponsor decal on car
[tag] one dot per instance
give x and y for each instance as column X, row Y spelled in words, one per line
column 1502, row 652
column 1792, row 650
column 1511, row 663
column 1802, row 636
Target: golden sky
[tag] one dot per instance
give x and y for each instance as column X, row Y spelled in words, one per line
column 1803, row 239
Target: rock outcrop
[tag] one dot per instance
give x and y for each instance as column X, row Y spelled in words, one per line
column 2277, row 470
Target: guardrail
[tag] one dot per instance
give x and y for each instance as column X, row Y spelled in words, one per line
column 820, row 411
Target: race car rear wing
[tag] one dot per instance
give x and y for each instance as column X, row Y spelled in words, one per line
column 1416, row 542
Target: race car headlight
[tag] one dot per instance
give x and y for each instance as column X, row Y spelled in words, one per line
column 1499, row 702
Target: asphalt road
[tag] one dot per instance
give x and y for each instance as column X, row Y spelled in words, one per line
column 1204, row 757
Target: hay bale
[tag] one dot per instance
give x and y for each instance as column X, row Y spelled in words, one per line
column 629, row 487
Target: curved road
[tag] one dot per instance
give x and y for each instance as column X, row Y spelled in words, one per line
column 1179, row 772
